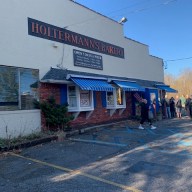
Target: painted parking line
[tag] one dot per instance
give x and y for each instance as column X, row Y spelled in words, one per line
column 168, row 152
column 151, row 132
column 117, row 139
column 94, row 136
column 170, row 130
column 180, row 148
column 75, row 172
column 112, row 130
column 133, row 131
column 99, row 142
column 186, row 142
column 129, row 130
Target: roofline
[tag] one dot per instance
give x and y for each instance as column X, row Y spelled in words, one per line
column 135, row 41
column 95, row 12
column 156, row 57
column 114, row 79
column 84, row 77
column 162, row 84
column 54, row 81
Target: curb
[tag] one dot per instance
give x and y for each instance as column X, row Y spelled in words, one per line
column 29, row 144
column 94, row 127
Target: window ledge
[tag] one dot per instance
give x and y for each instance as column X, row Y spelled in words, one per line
column 121, row 111
column 117, row 107
column 77, row 112
column 80, row 110
column 113, row 109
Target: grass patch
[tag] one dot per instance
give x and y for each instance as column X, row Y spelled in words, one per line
column 23, row 139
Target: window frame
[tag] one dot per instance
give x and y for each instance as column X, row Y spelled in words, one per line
column 79, row 108
column 18, row 106
column 68, row 97
column 115, row 105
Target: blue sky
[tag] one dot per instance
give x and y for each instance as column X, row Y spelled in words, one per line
column 164, row 25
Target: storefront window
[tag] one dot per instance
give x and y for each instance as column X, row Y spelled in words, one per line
column 72, row 96
column 79, row 100
column 18, row 88
column 85, row 99
column 120, row 96
column 110, row 99
column 116, row 99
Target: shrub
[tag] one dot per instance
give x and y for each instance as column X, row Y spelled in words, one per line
column 56, row 115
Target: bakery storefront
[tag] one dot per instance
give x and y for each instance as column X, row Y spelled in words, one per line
column 87, row 63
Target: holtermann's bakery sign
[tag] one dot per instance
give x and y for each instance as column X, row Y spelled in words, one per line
column 46, row 31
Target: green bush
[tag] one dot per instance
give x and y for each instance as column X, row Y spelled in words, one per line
column 56, row 116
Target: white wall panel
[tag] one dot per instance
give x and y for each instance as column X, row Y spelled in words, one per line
column 20, row 49
column 19, row 123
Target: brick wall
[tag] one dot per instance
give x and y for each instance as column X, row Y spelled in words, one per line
column 46, row 91
column 100, row 115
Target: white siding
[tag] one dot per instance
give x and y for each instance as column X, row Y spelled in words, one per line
column 19, row 123
column 20, row 49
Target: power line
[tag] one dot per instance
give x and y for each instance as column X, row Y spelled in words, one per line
column 124, row 8
column 180, row 59
column 165, row 3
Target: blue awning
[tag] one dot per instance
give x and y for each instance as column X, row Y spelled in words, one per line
column 166, row 88
column 129, row 86
column 92, row 84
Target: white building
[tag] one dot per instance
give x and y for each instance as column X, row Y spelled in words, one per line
column 60, row 43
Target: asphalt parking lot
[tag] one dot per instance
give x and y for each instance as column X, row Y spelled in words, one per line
column 116, row 157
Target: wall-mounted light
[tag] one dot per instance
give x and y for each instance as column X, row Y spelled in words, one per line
column 54, row 45
column 123, row 20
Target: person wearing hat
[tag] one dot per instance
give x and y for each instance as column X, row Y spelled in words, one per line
column 145, row 114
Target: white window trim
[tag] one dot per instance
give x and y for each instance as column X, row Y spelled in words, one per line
column 115, row 106
column 70, row 109
column 79, row 108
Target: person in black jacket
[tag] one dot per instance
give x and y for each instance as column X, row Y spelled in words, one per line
column 190, row 107
column 172, row 107
column 145, row 114
column 187, row 105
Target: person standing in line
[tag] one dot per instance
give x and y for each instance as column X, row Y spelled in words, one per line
column 183, row 100
column 154, row 109
column 168, row 112
column 172, row 107
column 145, row 114
column 163, row 107
column 187, row 105
column 190, row 107
column 179, row 108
